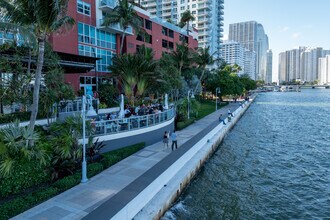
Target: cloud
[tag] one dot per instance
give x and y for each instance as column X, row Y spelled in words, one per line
column 284, row 29
column 295, row 36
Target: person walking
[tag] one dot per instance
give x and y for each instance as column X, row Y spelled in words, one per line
column 174, row 138
column 229, row 113
column 221, row 120
column 165, row 139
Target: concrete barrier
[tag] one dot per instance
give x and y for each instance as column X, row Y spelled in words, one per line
column 158, row 197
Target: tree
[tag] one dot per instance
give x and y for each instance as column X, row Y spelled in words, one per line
column 185, row 19
column 135, row 72
column 126, row 16
column 45, row 17
column 204, row 58
column 182, row 56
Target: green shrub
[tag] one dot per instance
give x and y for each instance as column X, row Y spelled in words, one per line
column 108, row 160
column 68, row 182
column 24, row 202
column 25, row 175
column 93, row 169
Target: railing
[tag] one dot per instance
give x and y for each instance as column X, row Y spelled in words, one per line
column 73, row 105
column 105, row 127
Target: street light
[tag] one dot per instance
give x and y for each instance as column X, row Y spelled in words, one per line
column 190, row 92
column 90, row 113
column 217, row 90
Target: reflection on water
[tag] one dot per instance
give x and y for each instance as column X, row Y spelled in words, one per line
column 275, row 163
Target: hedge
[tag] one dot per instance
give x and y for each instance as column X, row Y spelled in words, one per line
column 26, row 175
column 23, row 202
column 21, row 116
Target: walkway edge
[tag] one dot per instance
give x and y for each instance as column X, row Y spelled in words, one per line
column 157, row 198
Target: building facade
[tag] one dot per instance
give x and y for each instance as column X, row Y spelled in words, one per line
column 324, row 70
column 252, row 36
column 269, row 66
column 90, row 41
column 208, row 18
column 301, row 64
column 233, row 53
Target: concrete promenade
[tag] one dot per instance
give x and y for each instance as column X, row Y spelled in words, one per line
column 105, row 194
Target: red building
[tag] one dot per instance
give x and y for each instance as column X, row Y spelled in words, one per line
column 87, row 49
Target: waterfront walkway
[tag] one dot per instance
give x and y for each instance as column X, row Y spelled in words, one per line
column 108, row 192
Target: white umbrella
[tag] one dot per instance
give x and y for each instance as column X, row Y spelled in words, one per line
column 122, row 110
column 166, row 101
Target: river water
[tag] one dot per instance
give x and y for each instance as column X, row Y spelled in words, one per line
column 274, row 164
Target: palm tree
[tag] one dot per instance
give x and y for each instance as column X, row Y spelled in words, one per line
column 185, row 19
column 182, row 56
column 134, row 71
column 204, row 58
column 126, row 16
column 46, row 17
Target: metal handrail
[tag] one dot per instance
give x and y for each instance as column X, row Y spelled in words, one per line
column 105, row 127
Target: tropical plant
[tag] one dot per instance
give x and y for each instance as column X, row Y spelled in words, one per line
column 94, row 149
column 43, row 18
column 204, row 58
column 185, row 19
column 125, row 15
column 14, row 146
column 135, row 72
column 66, row 150
column 183, row 57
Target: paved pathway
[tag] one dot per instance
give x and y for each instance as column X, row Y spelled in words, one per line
column 106, row 193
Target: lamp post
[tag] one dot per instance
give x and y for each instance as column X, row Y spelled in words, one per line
column 217, row 90
column 84, row 163
column 190, row 92
column 90, row 113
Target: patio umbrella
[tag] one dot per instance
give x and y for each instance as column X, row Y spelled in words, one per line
column 166, row 101
column 122, row 110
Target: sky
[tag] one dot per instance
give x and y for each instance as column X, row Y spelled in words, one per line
column 288, row 23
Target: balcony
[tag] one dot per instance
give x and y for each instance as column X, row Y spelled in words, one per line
column 114, row 28
column 107, row 5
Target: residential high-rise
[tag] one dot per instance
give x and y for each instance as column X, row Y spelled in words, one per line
column 208, row 18
column 250, row 63
column 269, row 66
column 324, row 70
column 233, row 53
column 252, row 36
column 301, row 64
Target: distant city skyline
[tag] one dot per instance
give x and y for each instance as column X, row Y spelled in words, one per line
column 288, row 24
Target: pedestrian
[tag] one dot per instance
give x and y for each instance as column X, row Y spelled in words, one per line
column 174, row 140
column 229, row 113
column 221, row 120
column 165, row 139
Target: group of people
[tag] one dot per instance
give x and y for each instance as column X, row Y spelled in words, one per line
column 230, row 114
column 143, row 109
column 174, row 138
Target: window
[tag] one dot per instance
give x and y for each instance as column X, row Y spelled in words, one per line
column 164, row 31
column 148, row 24
column 148, row 38
column 170, row 45
column 182, row 8
column 171, row 33
column 193, row 5
column 83, row 8
column 139, row 37
column 164, row 43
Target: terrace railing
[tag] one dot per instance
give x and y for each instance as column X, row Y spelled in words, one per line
column 105, row 127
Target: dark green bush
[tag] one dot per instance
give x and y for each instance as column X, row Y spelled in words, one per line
column 24, row 202
column 26, row 174
column 67, row 182
column 108, row 160
column 93, row 169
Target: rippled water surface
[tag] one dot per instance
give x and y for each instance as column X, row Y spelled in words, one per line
column 274, row 164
